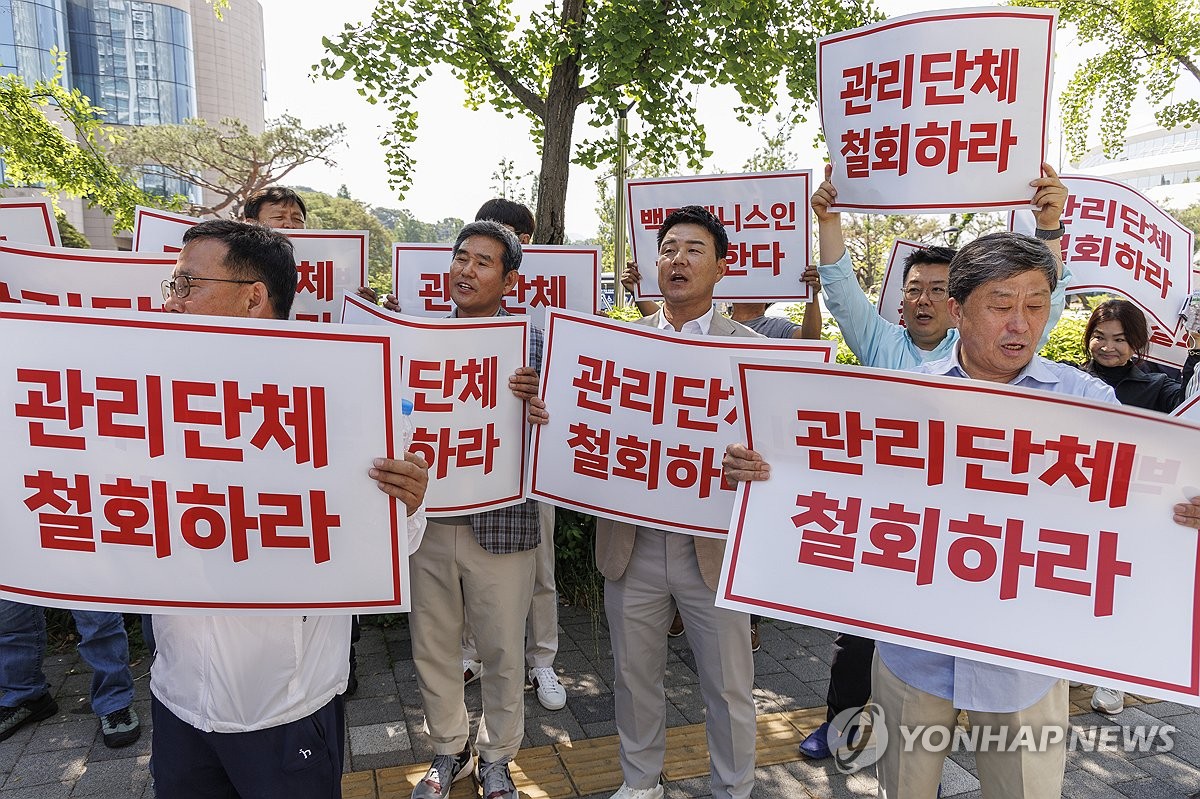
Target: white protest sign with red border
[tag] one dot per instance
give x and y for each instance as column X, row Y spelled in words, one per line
column 328, row 262
column 28, row 221
column 891, row 291
column 82, row 278
column 639, row 420
column 1190, row 409
column 185, row 464
column 1118, row 240
column 938, row 111
column 550, row 277
column 766, row 218
column 973, row 519
column 467, row 424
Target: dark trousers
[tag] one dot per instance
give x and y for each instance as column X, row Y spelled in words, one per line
column 298, row 760
column 850, row 674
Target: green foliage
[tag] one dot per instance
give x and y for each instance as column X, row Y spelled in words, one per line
column 629, row 313
column 598, row 54
column 1190, row 218
column 326, row 212
column 1147, row 45
column 1066, row 339
column 579, row 583
column 406, row 227
column 829, row 332
column 70, row 235
column 226, row 159
column 66, row 157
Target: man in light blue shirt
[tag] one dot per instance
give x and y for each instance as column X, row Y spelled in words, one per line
column 928, row 333
column 1000, row 287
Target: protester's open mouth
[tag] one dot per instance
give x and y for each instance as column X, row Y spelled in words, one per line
column 464, row 287
column 1013, row 347
column 924, row 317
column 677, row 278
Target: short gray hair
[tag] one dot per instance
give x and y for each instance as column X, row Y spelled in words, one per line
column 493, row 230
column 999, row 256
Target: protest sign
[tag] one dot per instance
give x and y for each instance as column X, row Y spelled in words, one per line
column 329, row 262
column 29, row 221
column 918, row 121
column 467, row 424
column 766, row 217
column 82, row 278
column 549, row 277
column 891, row 290
column 1118, row 240
column 639, row 437
column 991, row 519
column 1190, row 409
column 187, row 464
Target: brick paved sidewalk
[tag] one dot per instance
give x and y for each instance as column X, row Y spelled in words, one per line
column 565, row 754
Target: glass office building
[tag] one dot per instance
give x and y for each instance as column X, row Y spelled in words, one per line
column 29, row 31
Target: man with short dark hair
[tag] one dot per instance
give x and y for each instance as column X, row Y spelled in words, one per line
column 250, row 705
column 482, row 564
column 276, row 207
column 513, row 215
column 649, row 573
column 1000, row 297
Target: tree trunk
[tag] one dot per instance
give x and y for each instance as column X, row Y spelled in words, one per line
column 556, row 167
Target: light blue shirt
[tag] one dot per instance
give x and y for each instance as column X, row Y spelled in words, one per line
column 969, row 684
column 877, row 342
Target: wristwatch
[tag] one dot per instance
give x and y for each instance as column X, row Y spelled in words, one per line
column 1050, row 235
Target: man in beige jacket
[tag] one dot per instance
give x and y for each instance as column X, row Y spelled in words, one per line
column 650, row 572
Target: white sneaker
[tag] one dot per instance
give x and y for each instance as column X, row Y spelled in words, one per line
column 471, row 671
column 550, row 691
column 1108, row 700
column 625, row 792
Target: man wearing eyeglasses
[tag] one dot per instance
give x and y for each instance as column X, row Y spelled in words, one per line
column 250, row 705
column 928, row 334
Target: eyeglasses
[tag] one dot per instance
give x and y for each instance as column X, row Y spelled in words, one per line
column 936, row 293
column 181, row 285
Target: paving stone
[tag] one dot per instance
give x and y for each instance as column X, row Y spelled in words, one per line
column 591, row 709
column 1149, row 788
column 373, row 710
column 373, row 739
column 371, row 685
column 956, row 780
column 64, row 765
column 1181, row 774
column 114, row 778
column 1082, row 784
column 71, row 734
column 49, row 790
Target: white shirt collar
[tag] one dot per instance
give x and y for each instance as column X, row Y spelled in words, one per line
column 700, row 325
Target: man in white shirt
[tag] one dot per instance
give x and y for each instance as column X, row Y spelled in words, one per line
column 249, row 706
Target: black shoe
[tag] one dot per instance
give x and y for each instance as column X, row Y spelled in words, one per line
column 351, row 681
column 28, row 712
column 120, row 728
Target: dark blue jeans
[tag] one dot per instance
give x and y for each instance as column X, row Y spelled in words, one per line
column 102, row 644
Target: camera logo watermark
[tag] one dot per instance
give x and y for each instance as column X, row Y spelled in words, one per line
column 858, row 738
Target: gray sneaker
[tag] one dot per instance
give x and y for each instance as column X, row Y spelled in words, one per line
column 496, row 781
column 14, row 718
column 120, row 728
column 444, row 772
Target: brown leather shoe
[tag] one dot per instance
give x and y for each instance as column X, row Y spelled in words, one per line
column 676, row 628
column 755, row 645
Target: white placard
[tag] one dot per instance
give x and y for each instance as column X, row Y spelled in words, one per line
column 891, row 291
column 468, row 425
column 29, row 220
column 184, row 464
column 991, row 518
column 550, row 277
column 1118, row 240
column 939, row 111
column 766, row 217
column 639, row 420
column 82, row 278
column 328, row 262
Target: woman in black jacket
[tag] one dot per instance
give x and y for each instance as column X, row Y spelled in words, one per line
column 1116, row 339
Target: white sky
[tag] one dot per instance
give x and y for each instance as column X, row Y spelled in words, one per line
column 458, row 150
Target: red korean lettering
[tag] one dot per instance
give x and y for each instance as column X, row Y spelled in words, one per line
column 70, row 528
column 820, row 515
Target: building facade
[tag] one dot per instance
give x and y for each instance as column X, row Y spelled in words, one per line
column 145, row 63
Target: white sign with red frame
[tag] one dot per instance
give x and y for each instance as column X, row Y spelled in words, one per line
column 28, row 220
column 938, row 111
column 550, row 277
column 467, row 425
column 183, row 464
column 73, row 278
column 991, row 518
column 1118, row 240
column 639, row 420
column 328, row 262
column 891, row 292
column 766, row 217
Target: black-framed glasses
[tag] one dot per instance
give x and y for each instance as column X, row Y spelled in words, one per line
column 181, row 285
column 936, row 293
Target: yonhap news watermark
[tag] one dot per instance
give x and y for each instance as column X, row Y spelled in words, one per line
column 858, row 738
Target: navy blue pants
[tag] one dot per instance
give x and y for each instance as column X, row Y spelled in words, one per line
column 299, row 760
